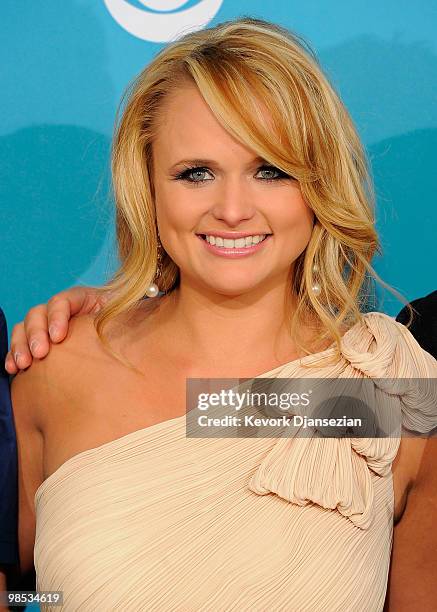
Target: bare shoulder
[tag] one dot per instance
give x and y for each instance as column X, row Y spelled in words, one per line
column 46, row 380
column 81, row 340
column 74, row 366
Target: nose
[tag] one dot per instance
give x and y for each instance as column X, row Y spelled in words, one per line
column 234, row 202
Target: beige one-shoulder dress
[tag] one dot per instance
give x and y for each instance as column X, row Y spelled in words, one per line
column 158, row 521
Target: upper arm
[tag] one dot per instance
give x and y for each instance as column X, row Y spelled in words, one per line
column 37, row 395
column 24, row 391
column 412, row 583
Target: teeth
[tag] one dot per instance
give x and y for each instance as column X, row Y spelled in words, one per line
column 239, row 243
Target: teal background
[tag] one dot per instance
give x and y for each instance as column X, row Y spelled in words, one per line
column 65, row 65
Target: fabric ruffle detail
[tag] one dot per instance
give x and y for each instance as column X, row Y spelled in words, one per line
column 330, row 472
column 337, row 473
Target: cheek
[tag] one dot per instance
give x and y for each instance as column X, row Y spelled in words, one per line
column 296, row 216
column 177, row 216
column 175, row 209
column 164, row 220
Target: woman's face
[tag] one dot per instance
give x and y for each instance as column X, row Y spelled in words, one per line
column 208, row 184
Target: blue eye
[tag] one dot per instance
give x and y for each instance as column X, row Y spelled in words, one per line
column 192, row 174
column 279, row 173
column 188, row 172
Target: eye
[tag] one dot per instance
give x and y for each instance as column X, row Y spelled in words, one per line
column 192, row 175
column 195, row 174
column 273, row 173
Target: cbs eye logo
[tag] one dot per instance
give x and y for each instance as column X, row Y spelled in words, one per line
column 159, row 24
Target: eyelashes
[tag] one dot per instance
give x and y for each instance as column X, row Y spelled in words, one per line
column 186, row 175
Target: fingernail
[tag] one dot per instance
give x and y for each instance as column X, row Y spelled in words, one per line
column 33, row 345
column 53, row 331
column 17, row 357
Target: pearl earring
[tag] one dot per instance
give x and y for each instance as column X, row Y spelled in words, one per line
column 153, row 289
column 316, row 288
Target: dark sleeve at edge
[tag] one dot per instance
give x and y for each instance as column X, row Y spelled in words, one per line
column 8, row 462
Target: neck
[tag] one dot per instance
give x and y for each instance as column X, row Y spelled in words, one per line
column 228, row 330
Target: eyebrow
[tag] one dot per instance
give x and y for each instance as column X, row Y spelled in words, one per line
column 210, row 162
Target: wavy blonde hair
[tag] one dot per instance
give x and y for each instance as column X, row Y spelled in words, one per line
column 236, row 65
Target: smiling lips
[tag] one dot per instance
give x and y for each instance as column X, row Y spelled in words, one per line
column 233, row 244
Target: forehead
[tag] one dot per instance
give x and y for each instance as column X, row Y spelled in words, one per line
column 187, row 126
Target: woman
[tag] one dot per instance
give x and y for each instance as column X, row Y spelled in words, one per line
column 242, row 194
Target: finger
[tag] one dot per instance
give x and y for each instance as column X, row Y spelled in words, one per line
column 62, row 306
column 97, row 308
column 19, row 347
column 34, row 332
column 10, row 365
column 102, row 299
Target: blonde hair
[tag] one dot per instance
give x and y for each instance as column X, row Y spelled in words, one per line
column 236, row 65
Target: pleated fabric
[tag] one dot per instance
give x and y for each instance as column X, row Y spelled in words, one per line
column 158, row 521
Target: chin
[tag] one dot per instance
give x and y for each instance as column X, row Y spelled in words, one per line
column 231, row 288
